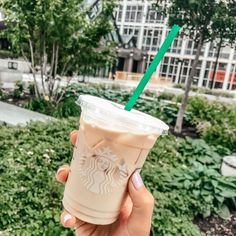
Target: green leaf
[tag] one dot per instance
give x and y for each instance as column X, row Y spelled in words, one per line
column 224, row 212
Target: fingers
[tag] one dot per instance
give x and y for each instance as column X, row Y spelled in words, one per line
column 62, row 173
column 67, row 219
column 73, row 136
column 126, row 209
column 143, row 202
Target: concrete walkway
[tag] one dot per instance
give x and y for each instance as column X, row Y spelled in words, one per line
column 14, row 115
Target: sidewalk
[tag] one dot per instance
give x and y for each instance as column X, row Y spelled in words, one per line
column 14, row 115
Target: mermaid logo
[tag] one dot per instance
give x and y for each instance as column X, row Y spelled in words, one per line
column 100, row 171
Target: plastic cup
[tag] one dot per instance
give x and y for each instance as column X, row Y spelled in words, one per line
column 112, row 144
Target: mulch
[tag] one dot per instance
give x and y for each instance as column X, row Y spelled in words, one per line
column 216, row 226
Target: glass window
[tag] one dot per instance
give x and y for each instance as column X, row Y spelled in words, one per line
column 151, row 38
column 132, row 30
column 168, row 68
column 222, row 66
column 176, row 45
column 119, row 13
column 134, row 13
column 153, row 16
column 224, row 51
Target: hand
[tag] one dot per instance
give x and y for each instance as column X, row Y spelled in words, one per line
column 135, row 215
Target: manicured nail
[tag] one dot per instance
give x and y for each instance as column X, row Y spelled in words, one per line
column 137, row 180
column 66, row 218
column 73, row 132
column 60, row 170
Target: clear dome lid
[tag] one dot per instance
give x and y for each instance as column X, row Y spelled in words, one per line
column 113, row 115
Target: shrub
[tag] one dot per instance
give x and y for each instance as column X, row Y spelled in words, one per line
column 18, row 90
column 67, row 108
column 40, row 105
column 216, row 122
column 182, row 174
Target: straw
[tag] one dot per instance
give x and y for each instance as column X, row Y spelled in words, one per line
column 147, row 76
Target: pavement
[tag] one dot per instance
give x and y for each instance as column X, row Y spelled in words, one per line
column 14, row 115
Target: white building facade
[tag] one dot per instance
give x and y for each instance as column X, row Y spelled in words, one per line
column 149, row 30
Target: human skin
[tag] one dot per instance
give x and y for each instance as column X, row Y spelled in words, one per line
column 135, row 216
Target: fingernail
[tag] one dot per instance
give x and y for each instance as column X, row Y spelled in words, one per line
column 66, row 218
column 60, row 170
column 73, row 132
column 137, row 180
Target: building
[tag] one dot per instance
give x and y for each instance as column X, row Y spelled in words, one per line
column 149, row 29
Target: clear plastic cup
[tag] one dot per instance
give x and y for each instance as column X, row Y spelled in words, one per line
column 112, row 144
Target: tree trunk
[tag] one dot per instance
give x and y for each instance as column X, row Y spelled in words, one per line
column 216, row 63
column 51, row 69
column 54, row 72
column 41, row 58
column 179, row 121
column 33, row 70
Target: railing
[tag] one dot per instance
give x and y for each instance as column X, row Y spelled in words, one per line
column 121, row 75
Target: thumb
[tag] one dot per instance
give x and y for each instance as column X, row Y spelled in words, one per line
column 139, row 222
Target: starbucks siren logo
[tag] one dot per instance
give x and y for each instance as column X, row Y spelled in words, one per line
column 100, row 171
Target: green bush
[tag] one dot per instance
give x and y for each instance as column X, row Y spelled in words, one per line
column 182, row 174
column 216, row 121
column 206, row 91
column 67, row 108
column 40, row 105
column 30, row 198
column 18, row 90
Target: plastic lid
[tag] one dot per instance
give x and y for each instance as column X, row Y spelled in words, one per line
column 111, row 114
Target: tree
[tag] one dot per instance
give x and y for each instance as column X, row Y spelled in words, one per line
column 57, row 38
column 195, row 17
column 224, row 29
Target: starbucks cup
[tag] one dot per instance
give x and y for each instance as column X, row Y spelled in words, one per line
column 112, row 144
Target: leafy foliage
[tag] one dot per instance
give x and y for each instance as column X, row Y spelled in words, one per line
column 215, row 121
column 57, row 38
column 201, row 21
column 30, row 197
column 182, row 174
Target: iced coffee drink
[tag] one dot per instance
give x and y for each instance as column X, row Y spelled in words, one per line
column 112, row 144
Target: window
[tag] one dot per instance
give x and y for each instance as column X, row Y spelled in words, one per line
column 224, row 52
column 152, row 39
column 232, row 78
column 153, row 16
column 176, row 46
column 12, row 65
column 222, row 66
column 132, row 30
column 134, row 13
column 169, row 68
column 119, row 13
column 219, row 75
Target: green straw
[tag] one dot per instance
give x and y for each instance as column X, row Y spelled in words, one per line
column 147, row 76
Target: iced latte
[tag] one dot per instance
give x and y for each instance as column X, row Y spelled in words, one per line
column 112, row 144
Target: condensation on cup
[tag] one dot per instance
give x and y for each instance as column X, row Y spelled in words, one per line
column 112, row 144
